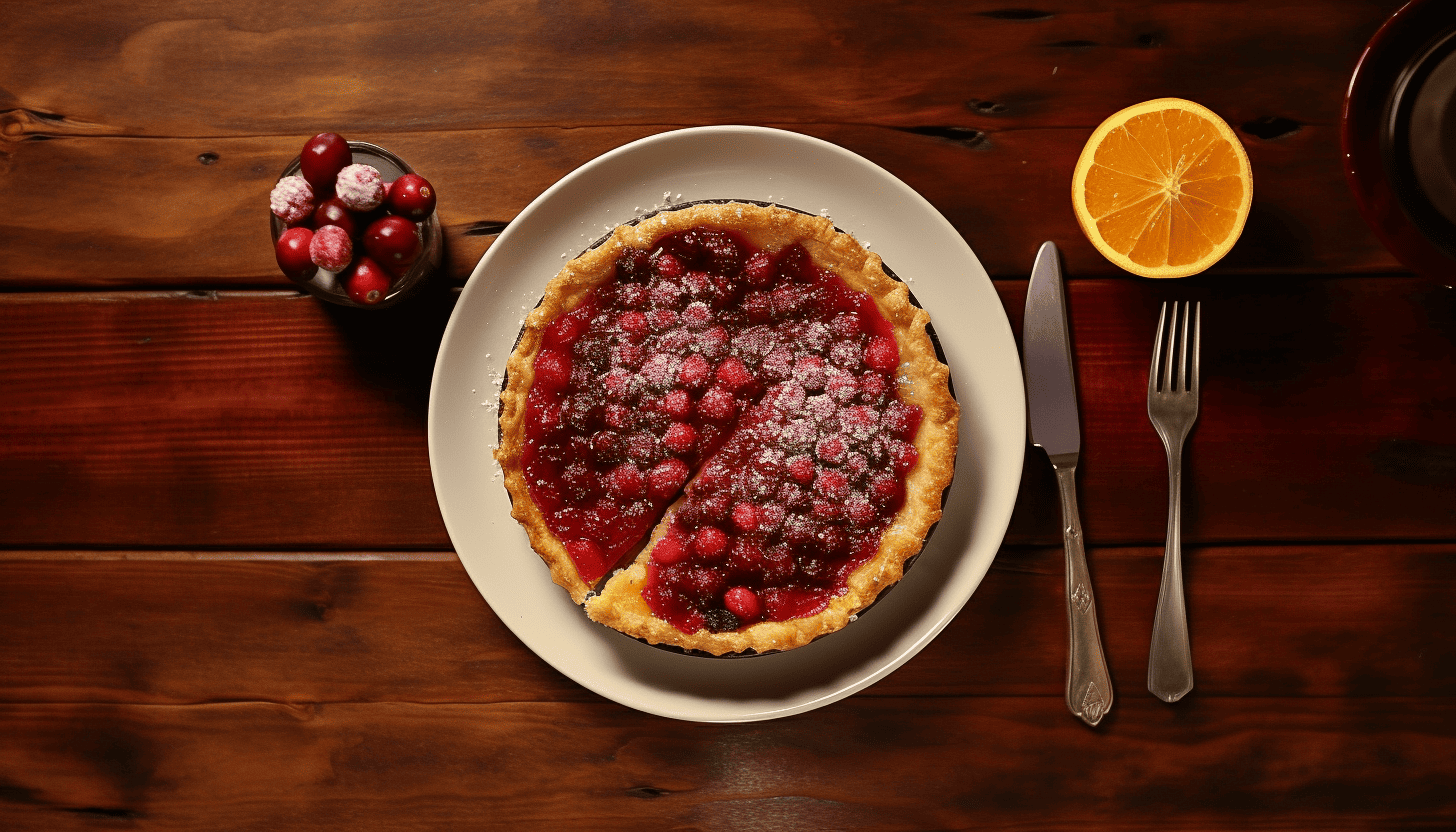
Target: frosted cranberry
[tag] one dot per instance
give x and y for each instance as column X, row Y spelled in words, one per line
column 677, row 404
column 882, row 355
column 606, row 446
column 633, row 296
column 643, row 447
column 717, row 405
column 292, row 200
column 633, row 324
column 846, row 325
column 331, row 248
column 553, row 371
column 831, row 449
column 360, row 187
column 617, row 384
column 826, row 510
column 831, row 485
column 724, row 255
column 786, row 300
column 846, row 355
column 743, row 603
column 365, row 281
column 884, row 489
column 393, row 241
column 715, row 477
column 860, row 510
column 745, row 517
column 695, row 372
column 809, row 371
column 668, row 266
column 660, row 319
column 901, row 420
column 855, row 465
column 697, row 315
column 842, row 387
column 715, row 507
column 322, row 158
column 734, row 375
column 412, row 196
column 292, row 252
column 801, row 469
column 629, row 356
column 666, row 478
column 778, row 365
column 698, row 284
column 758, row 272
column 714, row 343
column 334, row 212
column 670, row 550
column 860, row 421
column 626, row 480
column 903, row 457
column 680, row 438
column 799, row 531
column 710, row 543
column 873, row 388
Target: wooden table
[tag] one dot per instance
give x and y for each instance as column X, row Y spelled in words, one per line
column 228, row 600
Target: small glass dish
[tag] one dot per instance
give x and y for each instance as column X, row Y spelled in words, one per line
column 325, row 284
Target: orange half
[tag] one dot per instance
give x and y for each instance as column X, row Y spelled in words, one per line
column 1163, row 188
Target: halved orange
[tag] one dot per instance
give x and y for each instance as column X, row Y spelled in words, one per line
column 1162, row 188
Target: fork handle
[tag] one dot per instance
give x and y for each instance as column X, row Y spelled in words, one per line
column 1089, row 686
column 1170, row 660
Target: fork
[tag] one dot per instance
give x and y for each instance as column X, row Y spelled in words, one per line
column 1173, row 408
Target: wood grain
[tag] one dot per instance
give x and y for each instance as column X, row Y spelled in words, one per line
column 259, row 420
column 164, row 628
column 860, row 764
column 144, row 160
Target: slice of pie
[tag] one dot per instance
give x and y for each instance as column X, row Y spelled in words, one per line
column 736, row 403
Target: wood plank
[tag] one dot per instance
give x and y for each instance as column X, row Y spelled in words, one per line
column 981, row 111
column 866, row 763
column 259, row 420
column 175, row 628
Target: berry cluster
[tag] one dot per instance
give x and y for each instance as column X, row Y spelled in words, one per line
column 764, row 373
column 344, row 218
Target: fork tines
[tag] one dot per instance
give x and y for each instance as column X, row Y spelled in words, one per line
column 1175, row 362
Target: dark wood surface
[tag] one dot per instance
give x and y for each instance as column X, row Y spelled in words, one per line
column 228, row 600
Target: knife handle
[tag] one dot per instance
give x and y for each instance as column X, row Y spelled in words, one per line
column 1089, row 687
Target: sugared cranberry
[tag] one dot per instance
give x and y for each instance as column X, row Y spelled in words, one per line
column 903, row 457
column 846, row 325
column 606, row 446
column 680, row 437
column 717, row 405
column 322, row 158
column 565, row 330
column 292, row 200
column 553, row 371
column 331, row 248
column 292, row 251
column 884, row 489
column 633, row 265
column 360, row 187
column 695, row 372
column 670, row 550
column 710, row 543
column 873, row 388
column 831, row 449
column 634, row 325
column 831, row 485
column 412, row 196
column 901, row 419
column 333, row 211
column 801, row 469
column 366, row 281
column 745, row 516
column 626, row 480
column 697, row 315
column 744, row 603
column 860, row 510
column 668, row 266
column 734, row 375
column 666, row 478
column 393, row 241
column 882, row 355
column 759, row 270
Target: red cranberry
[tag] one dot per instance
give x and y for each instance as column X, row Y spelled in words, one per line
column 626, row 480
column 734, row 375
column 680, row 437
column 745, row 517
column 801, row 469
column 668, row 266
column 759, row 270
column 588, row 556
column 412, row 196
column 717, row 405
column 744, row 603
column 393, row 241
column 366, row 282
column 553, row 371
column 333, row 211
column 882, row 355
column 710, row 543
column 292, row 251
column 670, row 550
column 331, row 248
column 666, row 478
column 323, row 157
column 695, row 372
column 678, row 404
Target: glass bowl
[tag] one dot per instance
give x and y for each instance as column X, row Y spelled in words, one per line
column 325, row 284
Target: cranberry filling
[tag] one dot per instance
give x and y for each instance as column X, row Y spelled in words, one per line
column 765, row 373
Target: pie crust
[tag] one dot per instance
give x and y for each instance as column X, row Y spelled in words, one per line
column 921, row 378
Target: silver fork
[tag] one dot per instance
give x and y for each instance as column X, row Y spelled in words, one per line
column 1173, row 408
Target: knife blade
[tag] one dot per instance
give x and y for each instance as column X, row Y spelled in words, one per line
column 1051, row 393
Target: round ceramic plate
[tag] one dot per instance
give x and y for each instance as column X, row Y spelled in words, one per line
column 710, row 163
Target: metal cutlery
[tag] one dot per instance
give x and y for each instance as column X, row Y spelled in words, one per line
column 1052, row 414
column 1173, row 408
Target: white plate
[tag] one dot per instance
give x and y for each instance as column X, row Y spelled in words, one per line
column 707, row 163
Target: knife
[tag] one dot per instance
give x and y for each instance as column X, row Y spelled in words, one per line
column 1051, row 394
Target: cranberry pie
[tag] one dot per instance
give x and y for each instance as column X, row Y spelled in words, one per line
column 725, row 428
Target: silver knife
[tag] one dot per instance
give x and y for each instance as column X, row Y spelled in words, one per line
column 1051, row 394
